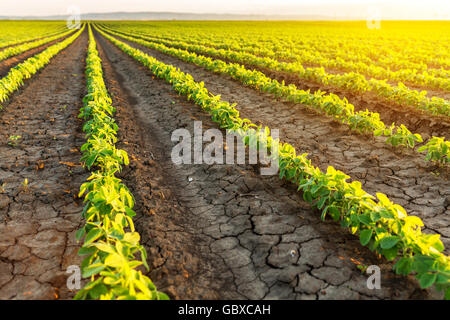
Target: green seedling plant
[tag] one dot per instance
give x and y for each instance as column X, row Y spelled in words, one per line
column 14, row 141
column 362, row 267
column 402, row 137
column 382, row 226
column 25, row 185
column 111, row 242
column 438, row 150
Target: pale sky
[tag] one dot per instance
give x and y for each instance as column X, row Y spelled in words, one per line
column 414, row 9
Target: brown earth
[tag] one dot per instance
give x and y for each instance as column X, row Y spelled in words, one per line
column 38, row 221
column 402, row 175
column 13, row 61
column 224, row 231
column 211, row 231
column 417, row 121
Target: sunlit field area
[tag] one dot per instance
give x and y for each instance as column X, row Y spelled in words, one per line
column 100, row 199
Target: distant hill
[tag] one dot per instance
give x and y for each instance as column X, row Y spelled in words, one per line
column 175, row 16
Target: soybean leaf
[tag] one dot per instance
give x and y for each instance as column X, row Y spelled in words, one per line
column 365, row 236
column 427, row 279
column 388, row 242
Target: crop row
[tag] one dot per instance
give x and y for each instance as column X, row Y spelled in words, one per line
column 15, row 77
column 17, row 32
column 382, row 226
column 15, row 50
column 332, row 105
column 110, row 239
column 388, row 66
column 349, row 81
column 391, row 52
column 434, row 78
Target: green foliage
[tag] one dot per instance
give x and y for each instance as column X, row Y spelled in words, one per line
column 330, row 104
column 438, row 150
column 15, row 50
column 110, row 240
column 381, row 225
column 403, row 137
column 18, row 32
column 16, row 76
column 261, row 57
column 13, row 141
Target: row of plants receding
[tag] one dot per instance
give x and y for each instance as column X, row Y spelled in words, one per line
column 15, row 50
column 110, row 240
column 437, row 149
column 432, row 78
column 436, row 78
column 352, row 47
column 382, row 226
column 394, row 68
column 25, row 70
column 30, row 30
column 349, row 81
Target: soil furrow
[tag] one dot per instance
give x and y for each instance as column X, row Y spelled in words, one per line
column 400, row 174
column 417, row 121
column 13, row 61
column 38, row 219
column 224, row 231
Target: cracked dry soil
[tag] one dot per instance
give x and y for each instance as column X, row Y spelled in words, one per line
column 225, row 231
column 402, row 175
column 38, row 221
column 211, row 231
